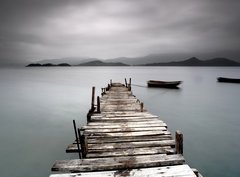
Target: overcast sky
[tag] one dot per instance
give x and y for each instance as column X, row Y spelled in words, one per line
column 32, row 30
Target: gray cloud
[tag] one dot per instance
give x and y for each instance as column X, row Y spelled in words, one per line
column 39, row 29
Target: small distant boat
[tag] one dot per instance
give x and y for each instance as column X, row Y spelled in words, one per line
column 229, row 80
column 164, row 84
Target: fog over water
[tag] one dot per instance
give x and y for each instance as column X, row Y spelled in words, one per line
column 38, row 105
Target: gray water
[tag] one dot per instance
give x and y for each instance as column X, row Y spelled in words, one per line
column 37, row 106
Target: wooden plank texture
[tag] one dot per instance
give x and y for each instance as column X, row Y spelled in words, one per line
column 117, row 163
column 168, row 171
column 123, row 139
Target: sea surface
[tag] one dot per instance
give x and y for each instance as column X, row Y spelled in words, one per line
column 37, row 106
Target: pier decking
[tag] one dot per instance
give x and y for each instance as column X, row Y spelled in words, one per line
column 122, row 139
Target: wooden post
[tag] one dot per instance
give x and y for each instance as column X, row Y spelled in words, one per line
column 141, row 104
column 111, row 82
column 126, row 82
column 93, row 98
column 77, row 139
column 130, row 84
column 83, row 142
column 98, row 105
column 179, row 142
column 89, row 114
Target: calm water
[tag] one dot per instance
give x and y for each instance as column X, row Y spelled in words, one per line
column 37, row 106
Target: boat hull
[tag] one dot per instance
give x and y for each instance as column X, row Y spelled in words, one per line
column 229, row 80
column 164, row 84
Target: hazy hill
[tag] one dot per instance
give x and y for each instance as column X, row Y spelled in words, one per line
column 196, row 62
column 101, row 63
column 69, row 60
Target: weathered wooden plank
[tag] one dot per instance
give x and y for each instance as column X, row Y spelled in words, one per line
column 131, row 152
column 124, row 120
column 117, row 134
column 124, row 117
column 148, row 122
column 117, row 163
column 96, row 140
column 115, row 125
column 124, row 129
column 167, row 171
column 122, row 145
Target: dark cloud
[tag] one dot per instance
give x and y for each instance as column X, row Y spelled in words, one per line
column 38, row 29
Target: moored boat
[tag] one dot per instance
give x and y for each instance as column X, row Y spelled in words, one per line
column 164, row 84
column 229, row 80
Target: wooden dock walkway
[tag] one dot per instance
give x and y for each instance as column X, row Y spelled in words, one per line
column 122, row 139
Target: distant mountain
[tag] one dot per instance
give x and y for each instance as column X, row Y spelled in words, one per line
column 47, row 65
column 151, row 58
column 69, row 60
column 101, row 63
column 196, row 62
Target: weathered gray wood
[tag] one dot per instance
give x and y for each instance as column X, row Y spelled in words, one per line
column 83, row 142
column 127, row 134
column 93, row 98
column 77, row 139
column 117, row 163
column 179, row 142
column 168, row 171
column 124, row 129
column 122, row 145
column 147, row 122
column 131, row 152
column 99, row 140
column 118, row 120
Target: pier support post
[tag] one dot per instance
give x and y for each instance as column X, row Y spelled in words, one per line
column 83, row 142
column 130, row 84
column 126, row 82
column 179, row 142
column 141, row 106
column 93, row 98
column 89, row 114
column 77, row 139
column 98, row 104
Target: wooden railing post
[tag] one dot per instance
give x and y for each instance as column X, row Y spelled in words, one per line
column 141, row 106
column 179, row 142
column 83, row 142
column 93, row 98
column 98, row 104
column 89, row 114
column 77, row 139
column 130, row 84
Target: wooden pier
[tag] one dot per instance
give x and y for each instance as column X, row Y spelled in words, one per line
column 122, row 139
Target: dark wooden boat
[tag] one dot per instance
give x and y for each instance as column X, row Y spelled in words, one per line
column 164, row 84
column 229, row 80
